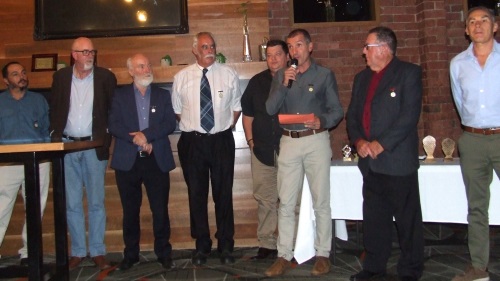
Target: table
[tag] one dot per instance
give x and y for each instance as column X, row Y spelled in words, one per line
column 442, row 198
column 31, row 155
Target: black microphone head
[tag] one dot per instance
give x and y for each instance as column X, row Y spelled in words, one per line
column 294, row 62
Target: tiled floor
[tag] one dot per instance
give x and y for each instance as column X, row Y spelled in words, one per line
column 446, row 255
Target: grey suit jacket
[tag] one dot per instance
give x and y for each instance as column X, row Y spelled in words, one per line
column 395, row 112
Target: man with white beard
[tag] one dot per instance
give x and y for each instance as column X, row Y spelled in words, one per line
column 141, row 118
column 79, row 103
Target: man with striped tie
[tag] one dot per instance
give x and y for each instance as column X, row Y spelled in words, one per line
column 206, row 99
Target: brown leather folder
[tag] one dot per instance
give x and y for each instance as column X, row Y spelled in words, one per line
column 295, row 118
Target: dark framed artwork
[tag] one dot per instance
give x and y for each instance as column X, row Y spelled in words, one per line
column 44, row 62
column 490, row 4
column 56, row 19
column 334, row 11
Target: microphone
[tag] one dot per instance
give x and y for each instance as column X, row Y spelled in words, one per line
column 293, row 63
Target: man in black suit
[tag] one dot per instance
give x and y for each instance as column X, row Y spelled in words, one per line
column 141, row 118
column 382, row 124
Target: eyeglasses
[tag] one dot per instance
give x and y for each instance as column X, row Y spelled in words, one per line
column 86, row 52
column 367, row 46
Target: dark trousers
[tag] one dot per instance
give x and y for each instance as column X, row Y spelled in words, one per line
column 204, row 158
column 386, row 196
column 157, row 184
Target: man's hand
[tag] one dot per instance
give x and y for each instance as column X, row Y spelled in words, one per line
column 366, row 148
column 139, row 138
column 376, row 148
column 148, row 147
column 289, row 74
column 314, row 125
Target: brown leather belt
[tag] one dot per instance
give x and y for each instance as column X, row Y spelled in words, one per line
column 300, row 134
column 486, row 131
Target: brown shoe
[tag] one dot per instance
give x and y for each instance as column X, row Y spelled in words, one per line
column 100, row 262
column 278, row 268
column 74, row 262
column 321, row 266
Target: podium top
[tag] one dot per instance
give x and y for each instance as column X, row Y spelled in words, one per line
column 49, row 146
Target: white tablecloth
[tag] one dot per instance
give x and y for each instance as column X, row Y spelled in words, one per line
column 442, row 197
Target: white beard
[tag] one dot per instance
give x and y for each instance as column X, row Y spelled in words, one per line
column 88, row 65
column 144, row 81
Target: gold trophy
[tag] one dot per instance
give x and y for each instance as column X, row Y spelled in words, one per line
column 429, row 147
column 448, row 146
column 346, row 151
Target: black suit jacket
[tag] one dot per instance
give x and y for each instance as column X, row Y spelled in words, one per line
column 395, row 112
column 104, row 85
column 123, row 119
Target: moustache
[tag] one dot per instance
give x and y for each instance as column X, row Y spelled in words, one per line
column 210, row 56
column 23, row 81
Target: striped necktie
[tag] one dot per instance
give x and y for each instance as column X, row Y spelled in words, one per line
column 206, row 107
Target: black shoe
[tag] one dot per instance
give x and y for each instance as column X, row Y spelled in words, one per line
column 24, row 262
column 199, row 258
column 127, row 264
column 167, row 263
column 264, row 253
column 226, row 257
column 366, row 275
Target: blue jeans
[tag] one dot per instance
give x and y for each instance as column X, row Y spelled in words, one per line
column 83, row 169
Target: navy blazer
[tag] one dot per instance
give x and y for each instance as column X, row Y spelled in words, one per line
column 395, row 112
column 123, row 119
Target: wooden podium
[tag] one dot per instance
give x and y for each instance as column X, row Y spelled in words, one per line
column 31, row 155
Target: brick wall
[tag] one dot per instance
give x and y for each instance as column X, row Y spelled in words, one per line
column 430, row 33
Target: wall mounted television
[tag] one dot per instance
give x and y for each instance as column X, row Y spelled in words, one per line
column 56, row 19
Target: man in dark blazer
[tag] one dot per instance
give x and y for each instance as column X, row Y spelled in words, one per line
column 382, row 124
column 141, row 119
column 79, row 104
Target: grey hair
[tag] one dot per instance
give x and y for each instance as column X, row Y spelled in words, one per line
column 129, row 63
column 197, row 36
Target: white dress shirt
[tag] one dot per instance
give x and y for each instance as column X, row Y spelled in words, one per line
column 226, row 96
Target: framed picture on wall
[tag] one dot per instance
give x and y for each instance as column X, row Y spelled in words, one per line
column 44, row 62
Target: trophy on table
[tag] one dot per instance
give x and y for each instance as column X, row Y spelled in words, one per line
column 429, row 147
column 448, row 146
column 346, row 151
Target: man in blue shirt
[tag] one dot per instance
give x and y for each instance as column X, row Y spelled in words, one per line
column 475, row 83
column 24, row 118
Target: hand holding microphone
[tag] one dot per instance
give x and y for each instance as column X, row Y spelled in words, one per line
column 293, row 64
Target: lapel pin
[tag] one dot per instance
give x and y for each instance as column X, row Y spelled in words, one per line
column 393, row 93
column 311, row 88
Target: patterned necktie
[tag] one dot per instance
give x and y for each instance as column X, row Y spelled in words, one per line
column 206, row 107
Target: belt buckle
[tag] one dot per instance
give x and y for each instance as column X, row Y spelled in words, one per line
column 143, row 154
column 295, row 134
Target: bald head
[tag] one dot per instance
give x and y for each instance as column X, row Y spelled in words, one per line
column 83, row 53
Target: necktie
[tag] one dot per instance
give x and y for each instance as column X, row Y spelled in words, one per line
column 206, row 107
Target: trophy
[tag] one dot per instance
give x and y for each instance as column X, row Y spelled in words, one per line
column 429, row 147
column 448, row 146
column 346, row 151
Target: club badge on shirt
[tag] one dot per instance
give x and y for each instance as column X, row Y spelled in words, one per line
column 393, row 93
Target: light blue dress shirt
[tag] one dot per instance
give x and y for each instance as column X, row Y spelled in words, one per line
column 476, row 89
